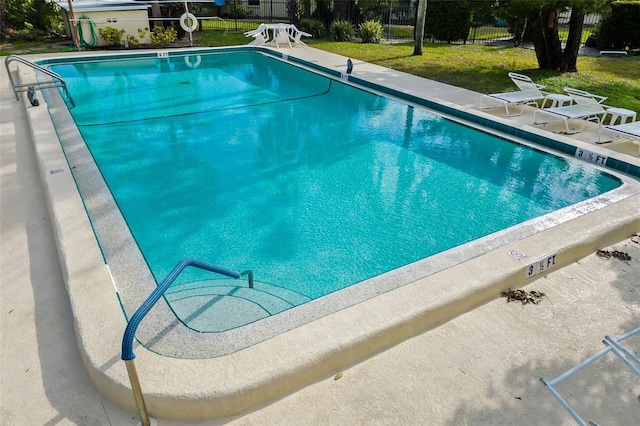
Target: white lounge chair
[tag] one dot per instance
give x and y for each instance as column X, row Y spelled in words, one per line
column 588, row 107
column 627, row 131
column 296, row 34
column 529, row 94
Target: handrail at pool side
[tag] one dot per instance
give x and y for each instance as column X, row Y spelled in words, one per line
column 249, row 275
column 143, row 310
column 57, row 80
column 130, row 331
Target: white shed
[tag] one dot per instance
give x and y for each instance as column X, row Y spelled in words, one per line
column 91, row 15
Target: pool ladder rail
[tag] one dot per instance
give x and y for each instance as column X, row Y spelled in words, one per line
column 129, row 334
column 55, row 82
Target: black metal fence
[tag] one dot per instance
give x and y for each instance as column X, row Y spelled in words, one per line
column 396, row 16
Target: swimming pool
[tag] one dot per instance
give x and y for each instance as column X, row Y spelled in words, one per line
column 281, row 353
column 251, row 163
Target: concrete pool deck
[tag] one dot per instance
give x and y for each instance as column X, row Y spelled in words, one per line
column 475, row 368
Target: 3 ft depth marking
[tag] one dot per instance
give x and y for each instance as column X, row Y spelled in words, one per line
column 540, row 265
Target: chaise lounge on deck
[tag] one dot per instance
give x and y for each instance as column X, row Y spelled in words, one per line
column 626, row 130
column 588, row 107
column 529, row 94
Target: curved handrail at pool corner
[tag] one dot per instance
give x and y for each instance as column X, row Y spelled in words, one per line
column 143, row 310
column 130, row 331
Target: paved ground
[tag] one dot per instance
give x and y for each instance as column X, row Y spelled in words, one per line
column 482, row 368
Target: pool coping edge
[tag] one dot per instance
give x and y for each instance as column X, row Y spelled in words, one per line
column 234, row 383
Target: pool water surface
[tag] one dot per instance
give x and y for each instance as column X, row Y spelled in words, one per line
column 251, row 163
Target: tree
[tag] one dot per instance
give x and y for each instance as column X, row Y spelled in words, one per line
column 541, row 18
column 418, row 31
column 156, row 13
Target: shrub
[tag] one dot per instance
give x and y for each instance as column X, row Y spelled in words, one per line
column 314, row 27
column 293, row 11
column 341, row 31
column 323, row 12
column 448, row 23
column 112, row 36
column 132, row 40
column 619, row 30
column 159, row 35
column 143, row 32
column 370, row 31
column 30, row 19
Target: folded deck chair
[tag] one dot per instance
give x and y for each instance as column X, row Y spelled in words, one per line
column 281, row 35
column 528, row 94
column 258, row 39
column 261, row 28
column 628, row 131
column 296, row 34
column 260, row 35
column 587, row 107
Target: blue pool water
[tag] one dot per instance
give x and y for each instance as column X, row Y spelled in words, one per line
column 251, row 163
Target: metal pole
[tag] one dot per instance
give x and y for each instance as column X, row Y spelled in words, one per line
column 186, row 10
column 389, row 27
column 235, row 14
column 74, row 30
column 137, row 392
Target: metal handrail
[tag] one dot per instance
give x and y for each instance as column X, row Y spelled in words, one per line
column 129, row 334
column 56, row 81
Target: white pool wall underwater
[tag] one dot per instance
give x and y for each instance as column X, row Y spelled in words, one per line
column 233, row 383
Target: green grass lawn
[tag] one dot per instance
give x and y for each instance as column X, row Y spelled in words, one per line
column 484, row 69
column 475, row 67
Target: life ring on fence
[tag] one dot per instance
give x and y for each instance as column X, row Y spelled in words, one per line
column 193, row 22
column 194, row 64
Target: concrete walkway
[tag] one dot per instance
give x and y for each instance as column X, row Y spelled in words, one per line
column 482, row 368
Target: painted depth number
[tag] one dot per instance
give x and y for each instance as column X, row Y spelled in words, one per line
column 540, row 265
column 591, row 157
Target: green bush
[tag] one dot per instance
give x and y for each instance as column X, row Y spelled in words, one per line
column 448, row 23
column 18, row 13
column 322, row 12
column 342, row 31
column 620, row 29
column 293, row 11
column 314, row 27
column 371, row 31
column 112, row 36
column 159, row 35
column 29, row 19
column 132, row 41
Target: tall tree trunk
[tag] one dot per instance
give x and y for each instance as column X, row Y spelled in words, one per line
column 418, row 31
column 546, row 39
column 551, row 37
column 155, row 13
column 537, row 37
column 570, row 54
